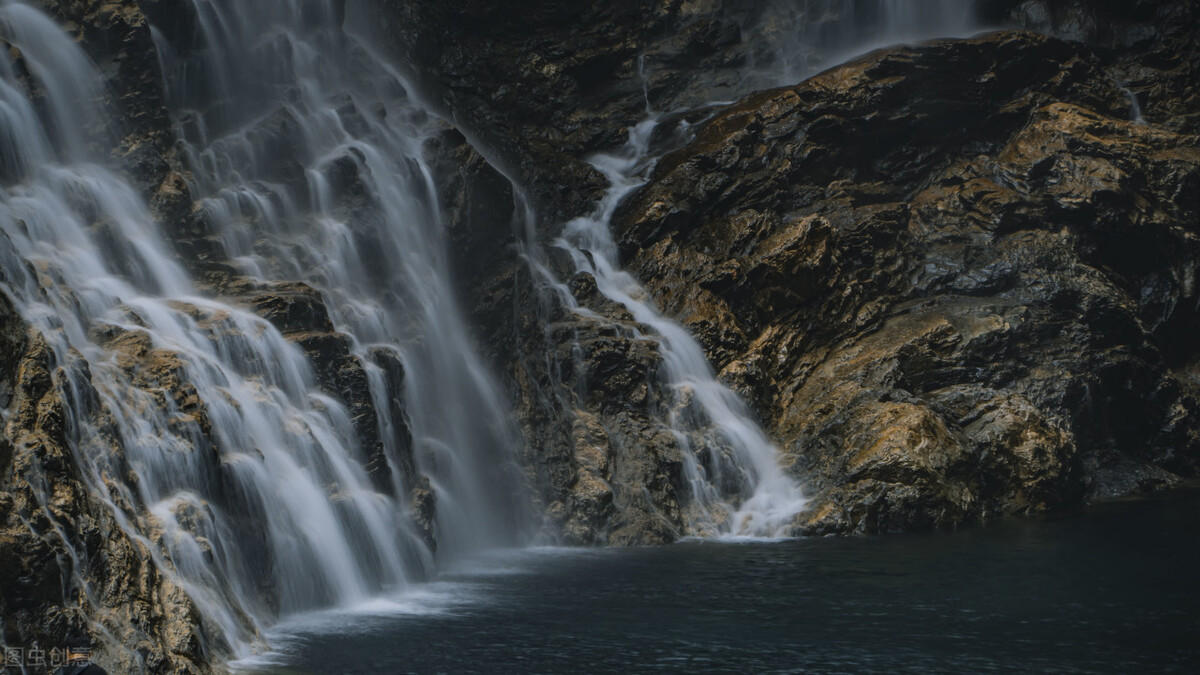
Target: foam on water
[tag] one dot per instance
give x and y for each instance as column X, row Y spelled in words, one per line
column 290, row 634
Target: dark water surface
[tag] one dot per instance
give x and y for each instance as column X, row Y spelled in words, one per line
column 1115, row 589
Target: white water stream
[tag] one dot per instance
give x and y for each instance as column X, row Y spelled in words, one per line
column 737, row 486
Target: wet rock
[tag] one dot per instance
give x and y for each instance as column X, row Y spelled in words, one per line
column 299, row 312
column 800, row 219
column 536, row 89
column 516, row 75
column 543, row 86
column 1150, row 47
column 116, row 35
column 591, row 495
column 68, row 565
column 614, row 475
column 291, row 307
column 480, row 211
column 423, row 503
column 949, row 278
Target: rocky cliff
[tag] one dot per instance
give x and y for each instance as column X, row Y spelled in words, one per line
column 954, row 281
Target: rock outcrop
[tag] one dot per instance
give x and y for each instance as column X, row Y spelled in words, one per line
column 955, row 280
column 538, row 89
column 1149, row 48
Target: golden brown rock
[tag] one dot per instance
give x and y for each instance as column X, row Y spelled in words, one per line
column 957, row 277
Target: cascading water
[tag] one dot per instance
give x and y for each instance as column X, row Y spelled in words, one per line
column 279, row 81
column 306, row 150
column 801, row 38
column 737, row 487
column 259, row 504
column 736, row 483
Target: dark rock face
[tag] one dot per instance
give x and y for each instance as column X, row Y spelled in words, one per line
column 943, row 307
column 538, row 88
column 956, row 280
column 1151, row 48
column 494, row 64
column 887, row 226
column 543, row 85
column 116, row 35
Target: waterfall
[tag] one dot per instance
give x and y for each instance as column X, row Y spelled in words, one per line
column 251, row 477
column 275, row 90
column 1135, row 105
column 736, row 484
